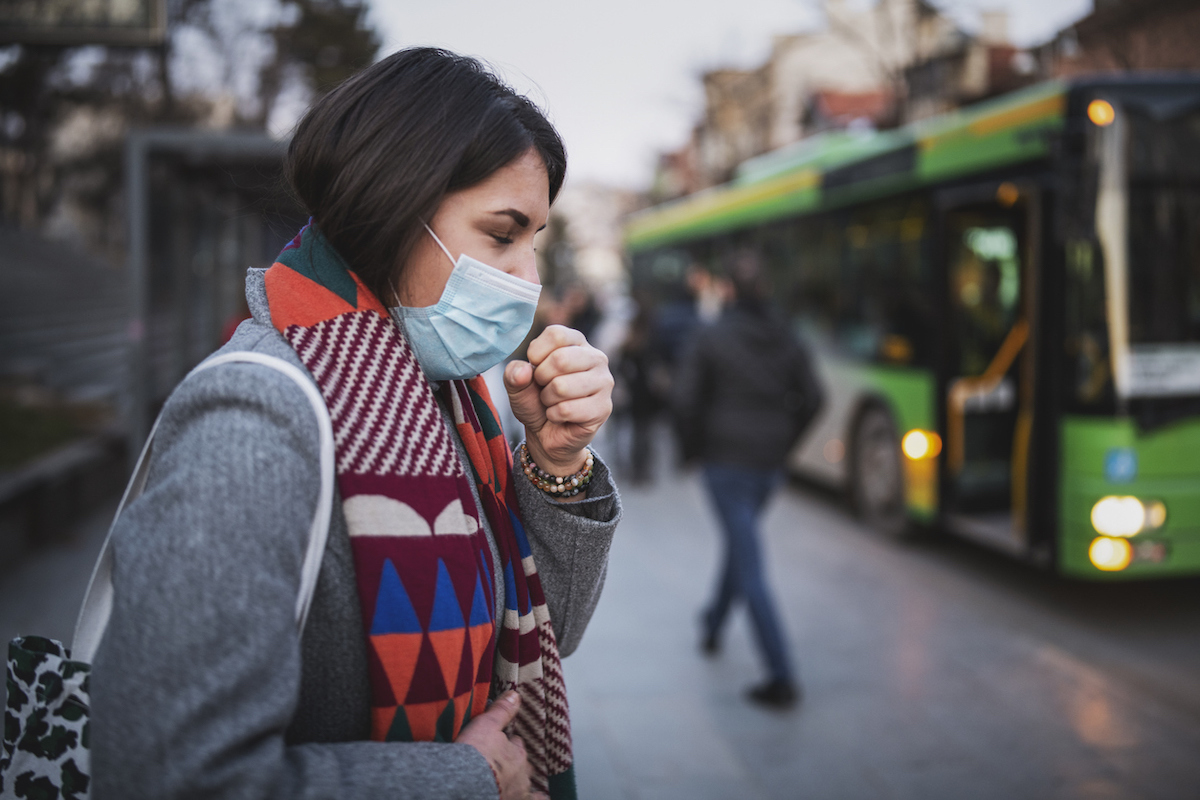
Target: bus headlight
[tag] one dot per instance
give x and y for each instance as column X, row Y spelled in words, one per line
column 1118, row 516
column 918, row 444
column 1109, row 554
column 1127, row 516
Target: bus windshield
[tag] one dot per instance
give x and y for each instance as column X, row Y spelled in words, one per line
column 1150, row 198
column 1164, row 229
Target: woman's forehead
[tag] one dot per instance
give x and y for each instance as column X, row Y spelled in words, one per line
column 520, row 189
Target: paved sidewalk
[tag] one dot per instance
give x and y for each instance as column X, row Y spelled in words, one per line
column 42, row 594
column 932, row 670
column 653, row 718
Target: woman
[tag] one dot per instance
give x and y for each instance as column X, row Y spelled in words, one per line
column 450, row 579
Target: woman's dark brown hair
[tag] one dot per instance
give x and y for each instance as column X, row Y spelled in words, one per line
column 373, row 159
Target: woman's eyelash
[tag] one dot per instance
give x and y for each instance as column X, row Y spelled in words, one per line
column 502, row 239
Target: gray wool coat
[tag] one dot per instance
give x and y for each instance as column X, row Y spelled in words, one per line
column 202, row 686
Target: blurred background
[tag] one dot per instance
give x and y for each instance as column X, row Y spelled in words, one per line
column 983, row 216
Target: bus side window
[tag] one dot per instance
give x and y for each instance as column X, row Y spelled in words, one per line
column 1085, row 345
column 887, row 274
column 859, row 284
column 812, row 293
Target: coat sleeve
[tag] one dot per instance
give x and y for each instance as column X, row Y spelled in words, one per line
column 691, row 392
column 570, row 544
column 198, row 674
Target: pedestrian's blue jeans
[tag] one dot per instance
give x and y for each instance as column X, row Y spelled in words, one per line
column 739, row 495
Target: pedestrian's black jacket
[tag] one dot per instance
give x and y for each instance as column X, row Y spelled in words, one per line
column 745, row 391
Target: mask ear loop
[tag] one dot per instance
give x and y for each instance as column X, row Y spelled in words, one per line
column 439, row 241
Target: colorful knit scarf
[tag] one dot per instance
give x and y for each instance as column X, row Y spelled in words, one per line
column 422, row 562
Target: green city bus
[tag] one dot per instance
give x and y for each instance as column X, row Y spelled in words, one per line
column 1004, row 302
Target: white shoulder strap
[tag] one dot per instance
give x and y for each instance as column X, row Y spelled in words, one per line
column 97, row 604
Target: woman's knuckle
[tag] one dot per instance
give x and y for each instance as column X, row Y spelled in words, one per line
column 561, row 359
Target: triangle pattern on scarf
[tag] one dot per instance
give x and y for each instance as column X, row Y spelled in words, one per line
column 479, row 606
column 398, row 653
column 381, row 722
column 479, row 699
column 481, row 639
column 428, row 681
column 399, row 730
column 447, row 611
column 462, row 713
column 511, row 598
column 445, row 724
column 448, row 645
column 394, row 612
column 381, row 686
column 466, row 670
column 423, row 719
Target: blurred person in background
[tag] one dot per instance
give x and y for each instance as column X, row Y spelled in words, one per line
column 743, row 396
column 677, row 319
column 580, row 310
column 641, row 399
column 430, row 664
column 696, row 303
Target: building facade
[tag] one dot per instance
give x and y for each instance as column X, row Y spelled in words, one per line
column 850, row 72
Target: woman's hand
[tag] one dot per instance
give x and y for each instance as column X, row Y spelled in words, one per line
column 505, row 754
column 562, row 396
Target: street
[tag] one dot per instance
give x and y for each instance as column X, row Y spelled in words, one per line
column 931, row 670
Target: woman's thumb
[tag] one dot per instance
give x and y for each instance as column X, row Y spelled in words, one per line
column 522, row 391
column 504, row 710
column 517, row 376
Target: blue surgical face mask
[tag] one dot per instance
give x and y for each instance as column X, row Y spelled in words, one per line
column 482, row 317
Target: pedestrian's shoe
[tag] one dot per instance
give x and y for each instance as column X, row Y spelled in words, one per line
column 777, row 694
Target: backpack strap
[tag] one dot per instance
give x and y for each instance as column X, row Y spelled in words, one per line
column 98, row 602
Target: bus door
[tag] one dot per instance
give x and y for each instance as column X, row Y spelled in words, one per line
column 988, row 391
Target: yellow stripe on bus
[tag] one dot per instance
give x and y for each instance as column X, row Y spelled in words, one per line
column 1047, row 107
column 711, row 204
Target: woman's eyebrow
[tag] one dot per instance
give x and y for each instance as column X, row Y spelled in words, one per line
column 517, row 216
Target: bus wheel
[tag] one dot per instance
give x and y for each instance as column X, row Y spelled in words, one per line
column 877, row 482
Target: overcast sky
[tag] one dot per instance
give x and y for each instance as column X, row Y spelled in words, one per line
column 620, row 78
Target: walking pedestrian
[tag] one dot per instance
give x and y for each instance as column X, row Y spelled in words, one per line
column 452, row 582
column 743, row 397
column 636, row 368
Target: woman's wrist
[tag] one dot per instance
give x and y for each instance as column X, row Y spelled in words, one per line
column 563, row 487
column 564, row 465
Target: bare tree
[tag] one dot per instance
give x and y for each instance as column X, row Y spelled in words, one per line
column 217, row 53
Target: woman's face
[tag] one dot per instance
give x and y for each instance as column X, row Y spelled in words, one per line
column 494, row 222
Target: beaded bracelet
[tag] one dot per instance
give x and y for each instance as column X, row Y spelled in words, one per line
column 552, row 484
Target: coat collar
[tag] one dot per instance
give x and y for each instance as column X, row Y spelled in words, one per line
column 256, row 295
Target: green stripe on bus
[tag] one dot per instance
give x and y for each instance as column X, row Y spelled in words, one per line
column 1008, row 130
